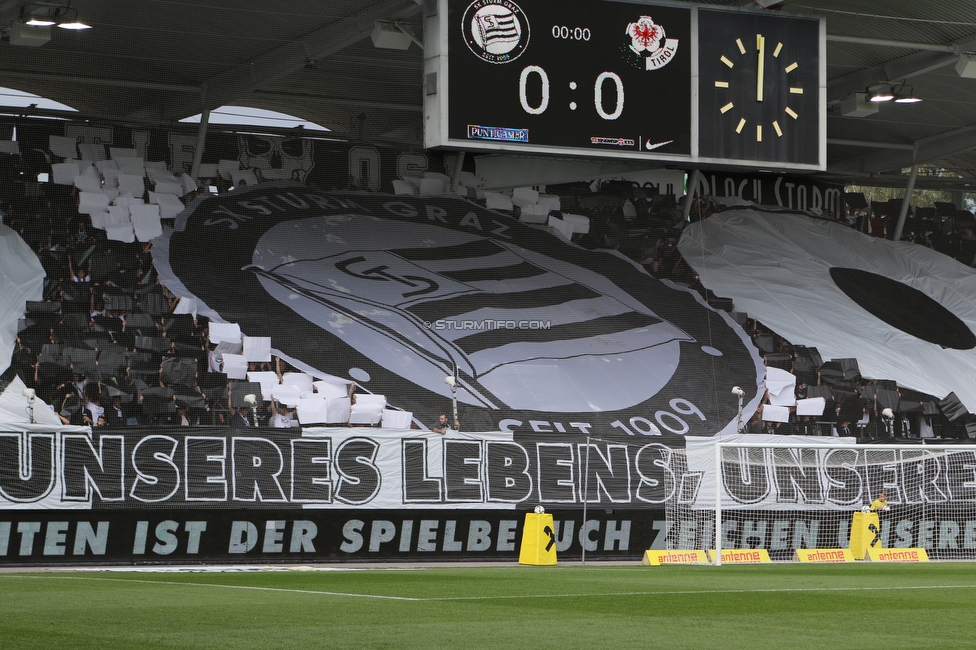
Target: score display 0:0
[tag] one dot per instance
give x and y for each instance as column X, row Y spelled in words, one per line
column 571, row 33
column 601, row 78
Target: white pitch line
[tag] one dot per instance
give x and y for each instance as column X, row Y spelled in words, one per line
column 207, row 584
column 706, row 592
column 506, row 597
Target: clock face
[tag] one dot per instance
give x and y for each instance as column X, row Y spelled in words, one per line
column 759, row 87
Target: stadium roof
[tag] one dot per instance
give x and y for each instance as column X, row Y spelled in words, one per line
column 158, row 61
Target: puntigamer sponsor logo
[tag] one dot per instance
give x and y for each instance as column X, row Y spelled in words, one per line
column 504, row 134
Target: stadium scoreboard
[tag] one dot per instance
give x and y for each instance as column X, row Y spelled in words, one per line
column 659, row 82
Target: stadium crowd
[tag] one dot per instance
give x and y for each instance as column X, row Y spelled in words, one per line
column 107, row 347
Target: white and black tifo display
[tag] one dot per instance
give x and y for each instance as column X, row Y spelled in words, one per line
column 398, row 293
column 215, row 494
column 904, row 311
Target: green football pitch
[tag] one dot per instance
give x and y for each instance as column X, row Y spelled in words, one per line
column 768, row 606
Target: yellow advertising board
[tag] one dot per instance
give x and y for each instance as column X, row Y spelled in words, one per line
column 741, row 555
column 865, row 533
column 538, row 540
column 897, row 555
column 823, row 555
column 673, row 556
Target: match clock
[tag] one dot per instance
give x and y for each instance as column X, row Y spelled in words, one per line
column 759, row 87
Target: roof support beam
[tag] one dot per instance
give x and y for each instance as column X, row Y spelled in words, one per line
column 230, row 84
column 870, row 144
column 337, row 101
column 882, row 42
column 100, row 81
column 926, row 150
column 896, row 70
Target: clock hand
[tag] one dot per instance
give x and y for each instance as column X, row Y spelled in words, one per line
column 761, row 46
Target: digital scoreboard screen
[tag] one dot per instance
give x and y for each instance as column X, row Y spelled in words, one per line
column 604, row 75
column 612, row 79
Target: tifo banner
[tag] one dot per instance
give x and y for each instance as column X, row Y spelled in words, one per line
column 835, row 479
column 777, row 190
column 156, row 536
column 330, row 469
column 397, row 293
column 904, row 311
column 365, row 468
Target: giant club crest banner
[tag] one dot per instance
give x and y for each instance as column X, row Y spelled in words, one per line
column 396, row 293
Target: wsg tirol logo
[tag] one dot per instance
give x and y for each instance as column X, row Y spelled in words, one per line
column 495, row 31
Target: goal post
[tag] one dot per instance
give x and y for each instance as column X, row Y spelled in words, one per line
column 779, row 496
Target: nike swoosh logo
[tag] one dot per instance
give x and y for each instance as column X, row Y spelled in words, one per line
column 650, row 146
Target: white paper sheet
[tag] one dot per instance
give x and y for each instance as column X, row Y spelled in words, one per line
column 117, row 215
column 88, row 183
column 312, row 411
column 169, row 204
column 243, row 175
column 64, row 173
column 267, row 379
column 812, row 406
column 91, row 202
column 773, row 413
column 135, row 166
column 561, row 227
column 781, row 386
column 498, row 201
column 257, row 348
column 145, row 220
column 63, row 147
column 123, row 233
column 170, row 186
column 189, row 185
column 225, row 167
column 225, row 332
column 235, row 366
column 396, row 419
column 131, row 184
column 92, row 151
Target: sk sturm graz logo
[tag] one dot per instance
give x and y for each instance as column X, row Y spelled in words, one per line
column 398, row 293
column 647, row 46
column 496, row 31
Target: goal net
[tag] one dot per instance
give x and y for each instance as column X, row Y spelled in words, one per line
column 787, row 495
